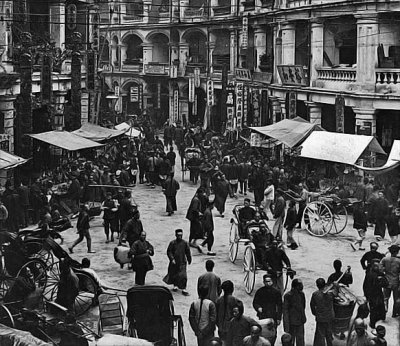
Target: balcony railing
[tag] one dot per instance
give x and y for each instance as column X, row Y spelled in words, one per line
column 156, row 68
column 194, row 13
column 340, row 78
column 133, row 18
column 135, row 67
column 387, row 80
column 222, row 10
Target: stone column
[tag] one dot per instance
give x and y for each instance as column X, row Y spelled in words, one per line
column 317, row 48
column 57, row 23
column 124, row 47
column 365, row 121
column 233, row 50
column 367, row 41
column 288, row 43
column 7, row 108
column 284, row 111
column 314, row 112
column 277, row 55
column 147, row 53
column 183, row 56
column 174, row 51
column 211, row 47
column 260, row 44
column 184, row 4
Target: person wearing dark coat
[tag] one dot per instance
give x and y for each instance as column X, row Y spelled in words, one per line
column 132, row 229
column 243, row 173
column 221, row 191
column 125, row 210
column 83, row 227
column 12, row 203
column 279, row 215
column 170, row 189
column 373, row 283
column 74, row 192
column 258, row 183
column 36, row 200
column 208, row 228
column 193, row 214
column 290, row 223
column 268, row 301
column 24, row 197
column 380, row 212
column 345, row 278
column 369, row 256
column 141, row 250
column 294, row 315
column 179, row 256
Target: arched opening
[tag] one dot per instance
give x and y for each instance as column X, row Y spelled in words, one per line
column 197, row 47
column 115, row 51
column 159, row 102
column 132, row 100
column 104, row 53
column 160, row 48
column 134, row 50
column 221, row 53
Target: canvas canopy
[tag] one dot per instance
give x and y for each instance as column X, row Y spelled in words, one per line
column 97, row 133
column 65, row 140
column 128, row 130
column 338, row 147
column 8, row 160
column 290, row 132
column 392, row 162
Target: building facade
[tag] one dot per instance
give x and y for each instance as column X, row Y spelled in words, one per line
column 332, row 62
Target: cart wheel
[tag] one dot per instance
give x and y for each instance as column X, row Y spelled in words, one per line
column 6, row 317
column 88, row 293
column 53, row 277
column 233, row 242
column 249, row 266
column 36, row 249
column 340, row 217
column 318, row 219
column 39, row 271
column 6, row 282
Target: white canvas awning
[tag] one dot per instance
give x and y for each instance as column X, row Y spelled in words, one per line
column 128, row 129
column 65, row 140
column 97, row 133
column 392, row 162
column 338, row 147
column 8, row 160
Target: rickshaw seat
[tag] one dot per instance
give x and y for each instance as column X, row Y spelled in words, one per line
column 111, row 315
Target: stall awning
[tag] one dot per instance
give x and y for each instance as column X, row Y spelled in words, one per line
column 338, row 147
column 392, row 162
column 290, row 132
column 8, row 160
column 97, row 133
column 128, row 130
column 65, row 140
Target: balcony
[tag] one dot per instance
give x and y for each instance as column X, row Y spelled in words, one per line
column 158, row 69
column 222, row 10
column 132, row 66
column 194, row 14
column 249, row 5
column 387, row 80
column 340, row 78
column 133, row 18
column 297, row 3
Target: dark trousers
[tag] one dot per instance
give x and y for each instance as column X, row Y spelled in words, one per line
column 377, row 310
column 110, row 224
column 258, row 195
column 140, row 276
column 380, row 227
column 297, row 333
column 209, row 241
column 84, row 233
column 204, row 340
column 243, row 186
column 323, row 332
column 302, row 206
column 171, row 204
column 387, row 293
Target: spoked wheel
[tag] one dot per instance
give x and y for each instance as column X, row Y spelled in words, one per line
column 53, row 278
column 340, row 216
column 318, row 218
column 233, row 242
column 6, row 317
column 6, row 282
column 88, row 293
column 39, row 271
column 249, row 267
column 36, row 249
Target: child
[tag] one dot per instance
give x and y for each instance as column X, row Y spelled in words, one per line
column 290, row 222
column 360, row 224
column 380, row 336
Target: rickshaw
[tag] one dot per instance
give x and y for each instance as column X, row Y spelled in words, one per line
column 250, row 262
column 151, row 316
column 193, row 156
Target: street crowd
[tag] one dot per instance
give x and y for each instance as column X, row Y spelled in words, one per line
column 224, row 170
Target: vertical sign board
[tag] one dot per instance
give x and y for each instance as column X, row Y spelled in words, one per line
column 176, row 105
column 134, row 94
column 191, row 89
column 230, row 106
column 224, row 83
column 46, row 84
column 194, row 109
column 210, row 93
column 159, row 95
column 173, row 71
column 239, row 105
column 265, row 118
column 339, row 107
column 116, row 90
column 255, row 100
column 291, row 105
column 245, row 104
column 245, row 31
column 197, row 77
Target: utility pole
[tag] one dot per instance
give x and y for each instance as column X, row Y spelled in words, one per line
column 76, row 77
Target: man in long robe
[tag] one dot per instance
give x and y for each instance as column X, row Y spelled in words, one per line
column 179, row 256
column 141, row 251
column 170, row 189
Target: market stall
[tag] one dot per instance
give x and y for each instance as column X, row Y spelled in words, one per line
column 129, row 130
column 97, row 133
column 7, row 162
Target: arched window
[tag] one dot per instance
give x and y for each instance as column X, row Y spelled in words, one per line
column 134, row 51
column 104, row 50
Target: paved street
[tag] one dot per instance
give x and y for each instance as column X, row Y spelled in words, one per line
column 311, row 260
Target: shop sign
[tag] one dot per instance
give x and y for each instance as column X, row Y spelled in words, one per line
column 116, row 90
column 140, row 96
column 339, row 108
column 230, row 113
column 197, row 77
column 230, row 95
column 291, row 104
column 210, row 92
column 134, row 94
column 292, row 75
column 239, row 105
column 5, row 140
column 245, row 101
column 364, row 127
column 245, row 31
column 242, row 74
column 159, row 95
column 255, row 101
column 176, row 105
column 191, row 89
column 154, row 69
column 255, row 139
column 194, row 109
column 107, row 68
column 173, row 71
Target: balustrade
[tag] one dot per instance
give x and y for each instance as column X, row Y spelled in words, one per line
column 348, row 74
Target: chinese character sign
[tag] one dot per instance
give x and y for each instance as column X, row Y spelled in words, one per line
column 176, row 105
column 245, row 101
column 191, row 89
column 239, row 105
column 197, row 77
column 134, row 93
column 245, row 32
column 210, row 92
column 339, row 105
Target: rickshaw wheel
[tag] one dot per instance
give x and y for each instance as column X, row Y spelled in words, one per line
column 53, row 277
column 340, row 217
column 39, row 271
column 6, row 317
column 6, row 282
column 37, row 250
column 249, row 267
column 318, row 218
column 88, row 293
column 233, row 242
column 181, row 334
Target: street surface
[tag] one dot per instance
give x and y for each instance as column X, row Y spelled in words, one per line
column 313, row 258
